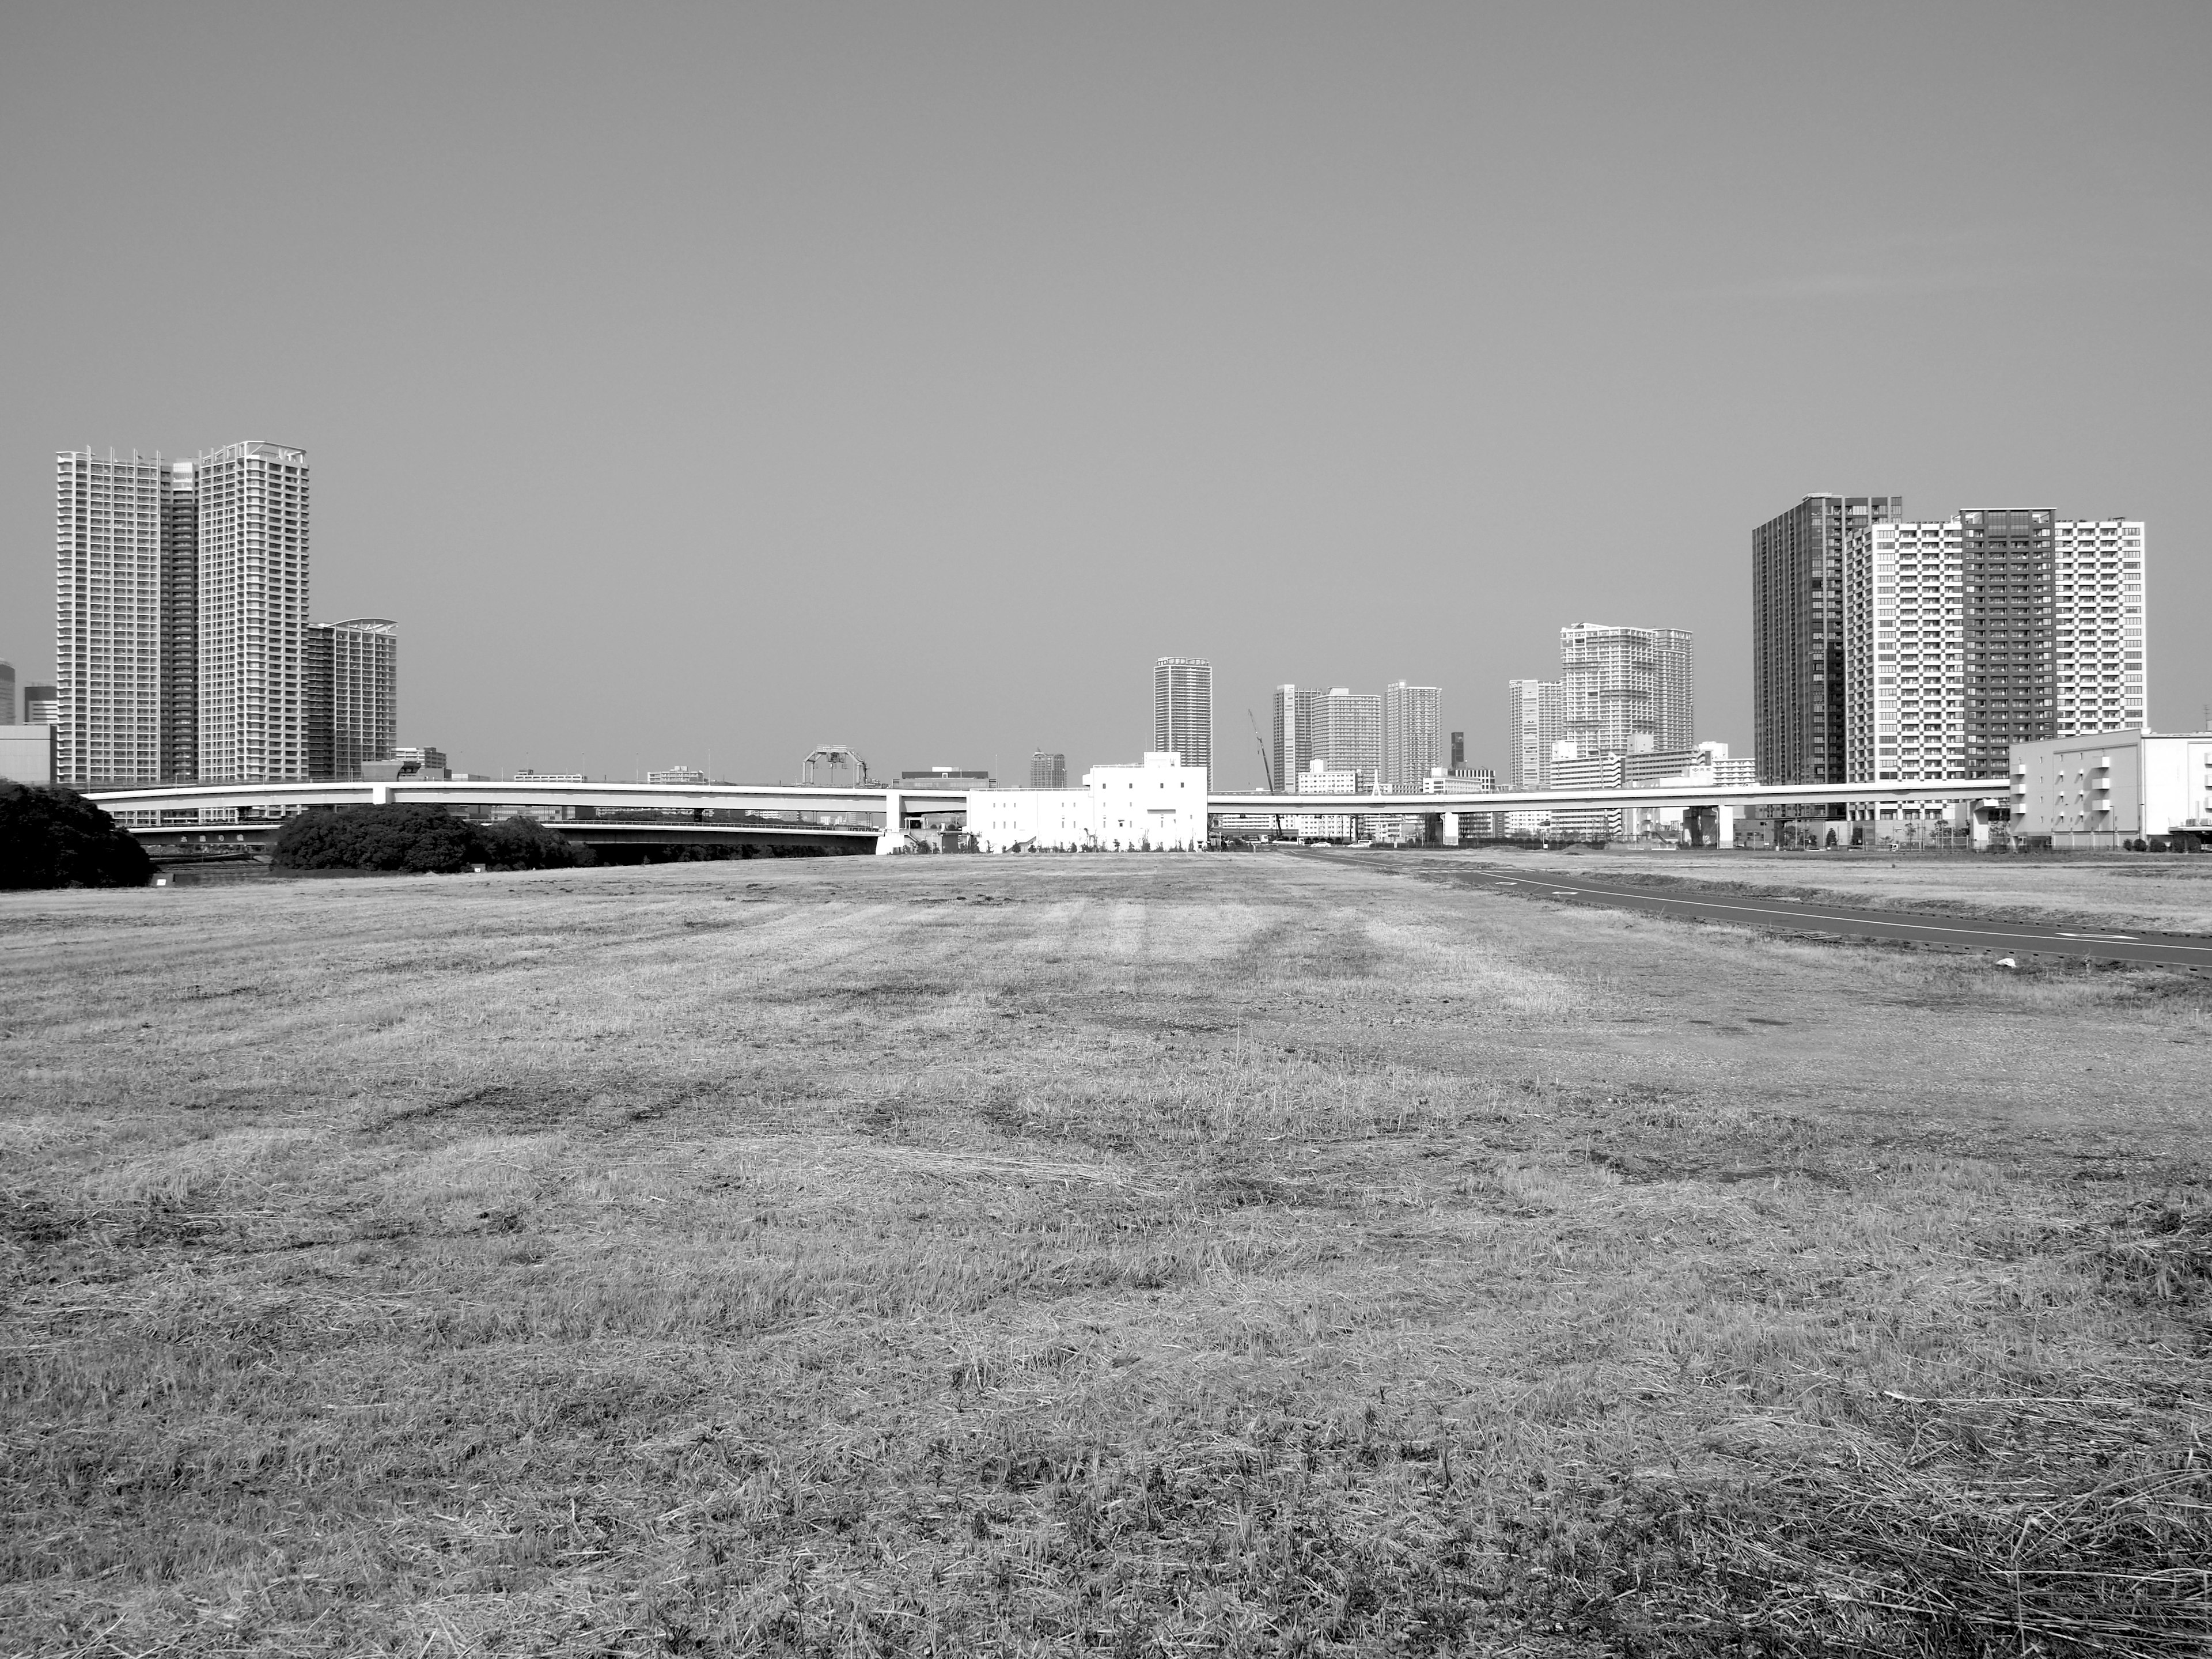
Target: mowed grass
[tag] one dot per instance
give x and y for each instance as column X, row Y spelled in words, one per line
column 1138, row 1254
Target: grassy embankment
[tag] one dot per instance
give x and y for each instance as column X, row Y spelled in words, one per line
column 1161, row 1254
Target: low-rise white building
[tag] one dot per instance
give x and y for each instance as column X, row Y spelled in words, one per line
column 1037, row 820
column 1157, row 805
column 2105, row 787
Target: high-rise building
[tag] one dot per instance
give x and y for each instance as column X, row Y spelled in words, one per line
column 1797, row 634
column 353, row 684
column 2101, row 674
column 42, row 705
column 1903, row 670
column 1182, row 709
column 252, row 715
column 180, row 625
column 2010, row 568
column 1047, row 771
column 1588, row 772
column 1412, row 735
column 1993, row 627
column 1458, row 750
column 7, row 694
column 1296, row 710
column 1629, row 690
column 1535, row 719
column 1348, row 736
column 108, row 523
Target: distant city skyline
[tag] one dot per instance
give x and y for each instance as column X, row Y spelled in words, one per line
column 1322, row 371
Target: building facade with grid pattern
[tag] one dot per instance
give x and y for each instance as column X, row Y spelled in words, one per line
column 1797, row 634
column 353, row 695
column 1182, row 709
column 2100, row 676
column 110, row 515
column 1535, row 720
column 180, row 626
column 253, row 679
column 1628, row 691
column 1987, row 630
column 1347, row 737
column 1412, row 735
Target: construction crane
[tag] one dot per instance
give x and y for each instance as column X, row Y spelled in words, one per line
column 1267, row 770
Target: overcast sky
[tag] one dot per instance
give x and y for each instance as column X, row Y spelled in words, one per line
column 702, row 383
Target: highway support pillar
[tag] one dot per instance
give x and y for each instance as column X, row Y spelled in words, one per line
column 893, row 839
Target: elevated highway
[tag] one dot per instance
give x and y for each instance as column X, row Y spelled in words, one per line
column 605, row 816
column 1538, row 800
column 704, row 813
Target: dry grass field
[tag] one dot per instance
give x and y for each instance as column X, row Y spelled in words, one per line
column 1223, row 1255
column 2164, row 892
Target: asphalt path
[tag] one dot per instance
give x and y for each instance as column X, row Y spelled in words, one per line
column 2002, row 938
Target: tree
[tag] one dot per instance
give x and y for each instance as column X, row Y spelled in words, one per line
column 56, row 838
column 419, row 839
column 411, row 838
column 524, row 843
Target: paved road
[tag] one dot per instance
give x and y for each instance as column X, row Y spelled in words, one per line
column 2004, row 937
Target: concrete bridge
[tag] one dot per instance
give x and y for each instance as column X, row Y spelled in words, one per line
column 842, row 818
column 605, row 816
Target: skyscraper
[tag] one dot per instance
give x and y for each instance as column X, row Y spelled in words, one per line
column 109, row 517
column 1047, row 770
column 2101, row 674
column 7, row 694
column 1412, row 735
column 252, row 714
column 1296, row 711
column 2010, row 569
column 1966, row 637
column 1797, row 634
column 1348, row 735
column 180, row 626
column 1182, row 708
column 1535, row 719
column 1458, row 751
column 353, row 689
column 1628, row 691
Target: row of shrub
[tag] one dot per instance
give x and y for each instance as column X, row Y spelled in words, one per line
column 56, row 838
column 420, row 839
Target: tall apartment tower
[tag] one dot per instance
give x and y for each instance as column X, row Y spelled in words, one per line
column 2010, row 564
column 353, row 693
column 108, row 529
column 1629, row 690
column 1797, row 634
column 1989, row 629
column 1348, row 736
column 2101, row 676
column 1412, row 735
column 7, row 694
column 1296, row 713
column 1182, row 708
column 180, row 626
column 253, row 680
column 1535, row 719
column 1047, row 770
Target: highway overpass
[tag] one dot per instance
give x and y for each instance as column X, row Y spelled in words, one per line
column 596, row 812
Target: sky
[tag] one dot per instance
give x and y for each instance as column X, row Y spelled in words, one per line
column 699, row 384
